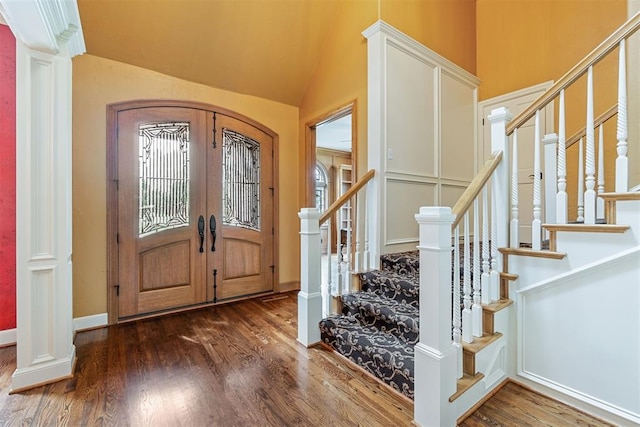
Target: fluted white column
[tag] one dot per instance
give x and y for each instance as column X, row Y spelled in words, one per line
column 622, row 161
column 590, row 163
column 562, row 203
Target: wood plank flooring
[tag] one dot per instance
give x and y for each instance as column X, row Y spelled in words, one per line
column 232, row 365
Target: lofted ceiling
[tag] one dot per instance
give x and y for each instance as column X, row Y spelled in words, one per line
column 264, row 48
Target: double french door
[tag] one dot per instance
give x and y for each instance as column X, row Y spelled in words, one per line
column 195, row 211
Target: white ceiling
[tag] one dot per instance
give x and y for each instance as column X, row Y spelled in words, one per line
column 335, row 135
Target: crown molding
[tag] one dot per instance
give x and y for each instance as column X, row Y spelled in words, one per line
column 46, row 25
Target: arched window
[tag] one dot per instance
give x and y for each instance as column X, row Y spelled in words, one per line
column 321, row 187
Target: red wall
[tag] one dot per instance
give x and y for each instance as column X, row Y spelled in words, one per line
column 7, row 179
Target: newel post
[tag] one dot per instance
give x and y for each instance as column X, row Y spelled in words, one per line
column 309, row 297
column 500, row 181
column 436, row 356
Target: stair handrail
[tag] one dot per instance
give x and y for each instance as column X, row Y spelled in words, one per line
column 580, row 69
column 602, row 118
column 474, row 189
column 347, row 195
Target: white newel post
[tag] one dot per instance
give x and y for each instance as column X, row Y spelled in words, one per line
column 435, row 354
column 48, row 34
column 310, row 296
column 500, row 180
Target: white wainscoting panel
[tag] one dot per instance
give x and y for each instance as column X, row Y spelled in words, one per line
column 579, row 333
column 404, row 198
column 411, row 122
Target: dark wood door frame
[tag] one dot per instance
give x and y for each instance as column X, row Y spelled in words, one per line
column 112, row 185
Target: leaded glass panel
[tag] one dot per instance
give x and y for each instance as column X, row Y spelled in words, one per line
column 164, row 177
column 240, row 180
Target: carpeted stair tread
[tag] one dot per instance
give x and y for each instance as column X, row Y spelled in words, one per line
column 385, row 314
column 382, row 354
column 403, row 263
column 398, row 287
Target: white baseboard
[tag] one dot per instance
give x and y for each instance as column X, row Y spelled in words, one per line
column 90, row 322
column 8, row 337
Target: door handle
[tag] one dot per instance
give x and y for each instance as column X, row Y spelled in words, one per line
column 201, row 232
column 212, row 227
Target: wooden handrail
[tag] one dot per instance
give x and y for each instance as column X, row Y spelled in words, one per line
column 624, row 32
column 347, row 195
column 472, row 191
column 597, row 122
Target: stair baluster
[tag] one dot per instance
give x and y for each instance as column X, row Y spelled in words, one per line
column 514, row 231
column 455, row 309
column 466, row 312
column 590, row 170
column 580, row 217
column 476, row 309
column 536, row 225
column 622, row 161
column 561, row 196
column 328, row 285
column 600, row 200
column 486, row 277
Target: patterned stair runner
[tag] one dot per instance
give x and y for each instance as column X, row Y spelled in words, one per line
column 378, row 328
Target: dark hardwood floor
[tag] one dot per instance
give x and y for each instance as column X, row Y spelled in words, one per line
column 232, row 365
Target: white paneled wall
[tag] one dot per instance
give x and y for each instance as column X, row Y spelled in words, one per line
column 421, row 135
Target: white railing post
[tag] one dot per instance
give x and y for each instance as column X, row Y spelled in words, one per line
column 580, row 217
column 622, row 161
column 550, row 176
column 467, row 328
column 561, row 197
column 486, row 266
column 476, row 309
column 500, row 180
column 435, row 355
column 600, row 200
column 309, row 297
column 326, row 287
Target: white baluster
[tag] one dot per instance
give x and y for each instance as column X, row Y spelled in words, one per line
column 590, row 163
column 455, row 305
column 486, row 278
column 466, row 312
column 580, row 182
column 476, row 309
column 494, row 283
column 347, row 267
column 536, row 224
column 339, row 268
column 550, row 176
column 561, row 196
column 600, row 200
column 622, row 161
column 514, row 231
column 367, row 223
column 357, row 260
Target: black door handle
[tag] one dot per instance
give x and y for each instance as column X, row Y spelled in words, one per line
column 201, row 232
column 212, row 227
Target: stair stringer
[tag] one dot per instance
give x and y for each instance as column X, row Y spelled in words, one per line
column 610, row 292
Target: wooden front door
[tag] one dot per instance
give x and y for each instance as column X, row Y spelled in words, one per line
column 194, row 209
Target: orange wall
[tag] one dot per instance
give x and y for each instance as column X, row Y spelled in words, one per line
column 521, row 43
column 98, row 82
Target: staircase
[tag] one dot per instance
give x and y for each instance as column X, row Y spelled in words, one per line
column 379, row 326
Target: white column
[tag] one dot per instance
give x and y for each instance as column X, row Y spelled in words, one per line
column 48, row 35
column 435, row 355
column 310, row 296
column 600, row 200
column 550, row 176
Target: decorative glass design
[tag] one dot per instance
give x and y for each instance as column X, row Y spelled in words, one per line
column 164, row 177
column 321, row 188
column 240, row 180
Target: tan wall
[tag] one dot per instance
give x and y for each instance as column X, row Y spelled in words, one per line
column 445, row 26
column 98, row 82
column 525, row 42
